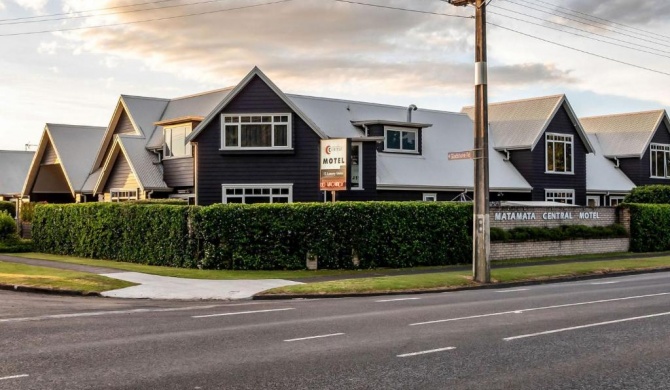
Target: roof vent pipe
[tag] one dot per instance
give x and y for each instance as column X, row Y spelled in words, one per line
column 411, row 108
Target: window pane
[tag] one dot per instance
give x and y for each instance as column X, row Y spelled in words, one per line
column 234, row 200
column 568, row 157
column 168, row 142
column 256, row 119
column 246, row 119
column 550, row 157
column 256, row 135
column 355, row 166
column 392, row 139
column 281, row 135
column 280, row 200
column 408, row 140
column 228, row 119
column 231, row 136
column 559, row 153
column 267, row 119
column 660, row 164
column 257, row 199
column 667, row 164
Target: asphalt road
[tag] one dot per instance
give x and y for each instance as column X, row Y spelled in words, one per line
column 604, row 334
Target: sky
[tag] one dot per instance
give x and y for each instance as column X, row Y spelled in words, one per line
column 68, row 69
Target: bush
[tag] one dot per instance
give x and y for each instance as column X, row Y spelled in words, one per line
column 649, row 227
column 653, row 194
column 16, row 245
column 561, row 233
column 9, row 207
column 7, row 226
column 155, row 234
column 27, row 212
column 172, row 202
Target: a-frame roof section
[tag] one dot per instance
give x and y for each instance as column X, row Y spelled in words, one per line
column 75, row 147
column 255, row 72
column 142, row 111
column 15, row 166
column 520, row 124
column 626, row 135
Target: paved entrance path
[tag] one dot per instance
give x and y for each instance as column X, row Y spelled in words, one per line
column 164, row 287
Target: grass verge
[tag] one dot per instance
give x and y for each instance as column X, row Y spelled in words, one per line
column 455, row 279
column 56, row 279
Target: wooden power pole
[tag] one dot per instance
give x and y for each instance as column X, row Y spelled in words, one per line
column 481, row 265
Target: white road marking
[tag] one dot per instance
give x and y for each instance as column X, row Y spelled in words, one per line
column 515, row 290
column 242, row 312
column 314, row 337
column 521, row 311
column 425, row 352
column 398, row 299
column 14, row 377
column 598, row 283
column 585, row 326
column 103, row 313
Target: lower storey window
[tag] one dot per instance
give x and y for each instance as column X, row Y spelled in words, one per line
column 430, row 197
column 616, row 200
column 261, row 193
column 560, row 196
column 123, row 195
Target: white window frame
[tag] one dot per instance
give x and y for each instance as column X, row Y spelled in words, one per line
column 401, row 130
column 167, row 144
column 568, row 139
column 122, row 195
column 557, row 195
column 593, row 197
column 618, row 198
column 665, row 150
column 430, row 197
column 243, row 187
column 288, row 124
column 360, row 166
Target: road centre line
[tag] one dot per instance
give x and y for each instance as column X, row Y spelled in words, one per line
column 585, row 326
column 314, row 337
column 398, row 299
column 521, row 311
column 242, row 312
column 14, row 377
column 102, row 313
column 426, row 352
column 515, row 290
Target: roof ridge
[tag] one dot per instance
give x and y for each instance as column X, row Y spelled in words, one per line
column 78, row 126
column 369, row 103
column 144, row 97
column 521, row 100
column 202, row 93
column 657, row 111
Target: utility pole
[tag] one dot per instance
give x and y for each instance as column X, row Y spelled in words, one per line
column 481, row 266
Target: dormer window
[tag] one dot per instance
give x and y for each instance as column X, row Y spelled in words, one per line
column 253, row 132
column 401, row 140
column 175, row 141
column 660, row 161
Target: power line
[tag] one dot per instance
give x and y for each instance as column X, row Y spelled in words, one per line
column 404, row 9
column 111, row 13
column 144, row 21
column 580, row 50
column 90, row 10
column 581, row 30
column 604, row 20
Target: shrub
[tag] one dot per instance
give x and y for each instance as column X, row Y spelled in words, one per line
column 172, row 202
column 654, row 194
column 7, row 226
column 649, row 227
column 27, row 212
column 561, row 233
column 16, row 245
column 9, row 207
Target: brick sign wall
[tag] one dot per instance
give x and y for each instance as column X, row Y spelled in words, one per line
column 511, row 217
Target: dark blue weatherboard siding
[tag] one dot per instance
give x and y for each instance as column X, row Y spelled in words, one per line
column 532, row 165
column 369, row 191
column 639, row 170
column 301, row 168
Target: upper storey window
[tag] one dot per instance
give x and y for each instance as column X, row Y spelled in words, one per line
column 175, row 141
column 401, row 140
column 660, row 161
column 560, row 158
column 263, row 131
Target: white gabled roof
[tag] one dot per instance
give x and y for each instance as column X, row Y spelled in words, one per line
column 625, row 135
column 519, row 124
column 143, row 112
column 601, row 173
column 15, row 165
column 451, row 132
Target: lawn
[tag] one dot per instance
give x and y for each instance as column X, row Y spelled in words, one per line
column 56, row 279
column 455, row 279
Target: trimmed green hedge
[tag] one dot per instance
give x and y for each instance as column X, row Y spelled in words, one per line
column 649, row 227
column 651, row 194
column 7, row 226
column 156, row 234
column 9, row 207
column 382, row 234
column 27, row 211
column 561, row 233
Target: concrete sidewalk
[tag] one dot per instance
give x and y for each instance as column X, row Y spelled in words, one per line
column 164, row 287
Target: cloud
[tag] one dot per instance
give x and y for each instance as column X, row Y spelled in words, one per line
column 307, row 44
column 34, row 5
column 625, row 11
